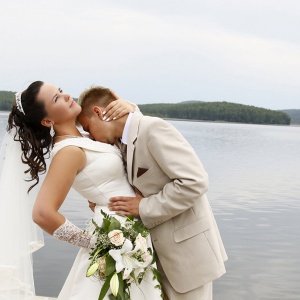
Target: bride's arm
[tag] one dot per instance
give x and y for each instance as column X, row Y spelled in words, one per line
column 60, row 177
column 119, row 108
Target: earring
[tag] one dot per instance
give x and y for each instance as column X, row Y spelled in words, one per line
column 52, row 132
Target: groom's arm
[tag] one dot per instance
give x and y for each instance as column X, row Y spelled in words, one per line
column 178, row 160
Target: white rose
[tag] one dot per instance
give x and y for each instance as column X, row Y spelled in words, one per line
column 143, row 243
column 116, row 237
column 102, row 264
column 147, row 257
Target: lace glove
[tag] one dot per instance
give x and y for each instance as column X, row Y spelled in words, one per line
column 70, row 233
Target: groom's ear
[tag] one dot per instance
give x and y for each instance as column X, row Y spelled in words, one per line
column 98, row 111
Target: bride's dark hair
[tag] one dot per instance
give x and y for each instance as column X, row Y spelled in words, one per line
column 35, row 138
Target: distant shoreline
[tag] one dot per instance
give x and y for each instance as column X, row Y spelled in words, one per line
column 4, row 112
column 201, row 111
column 217, row 111
column 226, row 122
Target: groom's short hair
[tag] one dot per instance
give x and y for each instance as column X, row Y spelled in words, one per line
column 96, row 95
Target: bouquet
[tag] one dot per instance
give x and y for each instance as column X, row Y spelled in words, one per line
column 121, row 256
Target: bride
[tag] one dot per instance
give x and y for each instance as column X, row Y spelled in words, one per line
column 44, row 120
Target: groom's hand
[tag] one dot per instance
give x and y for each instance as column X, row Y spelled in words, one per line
column 92, row 205
column 126, row 206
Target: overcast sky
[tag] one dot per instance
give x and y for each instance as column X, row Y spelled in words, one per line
column 244, row 51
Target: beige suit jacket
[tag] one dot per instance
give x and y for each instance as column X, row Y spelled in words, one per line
column 165, row 169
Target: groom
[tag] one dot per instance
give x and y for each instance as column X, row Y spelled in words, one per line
column 164, row 168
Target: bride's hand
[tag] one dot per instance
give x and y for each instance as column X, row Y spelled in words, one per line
column 117, row 109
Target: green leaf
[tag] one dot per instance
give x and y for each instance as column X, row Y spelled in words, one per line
column 114, row 224
column 112, row 297
column 154, row 256
column 96, row 225
column 95, row 254
column 110, row 265
column 139, row 227
column 140, row 278
column 131, row 217
column 105, row 287
column 105, row 225
column 156, row 274
column 133, row 275
column 106, row 216
column 127, row 297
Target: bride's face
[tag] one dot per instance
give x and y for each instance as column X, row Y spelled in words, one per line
column 60, row 107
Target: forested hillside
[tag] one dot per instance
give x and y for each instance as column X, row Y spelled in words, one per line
column 294, row 114
column 216, row 111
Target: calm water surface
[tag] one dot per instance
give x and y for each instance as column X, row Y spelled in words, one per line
column 254, row 191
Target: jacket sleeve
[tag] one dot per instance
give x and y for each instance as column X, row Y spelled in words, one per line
column 178, row 160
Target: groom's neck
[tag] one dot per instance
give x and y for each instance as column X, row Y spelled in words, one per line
column 119, row 126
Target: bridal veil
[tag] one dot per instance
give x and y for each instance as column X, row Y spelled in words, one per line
column 19, row 236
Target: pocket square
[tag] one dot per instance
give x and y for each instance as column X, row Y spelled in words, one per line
column 141, row 171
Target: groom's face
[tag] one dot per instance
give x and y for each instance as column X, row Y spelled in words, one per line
column 99, row 130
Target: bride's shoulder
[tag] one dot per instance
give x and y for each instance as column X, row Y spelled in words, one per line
column 86, row 144
column 57, row 147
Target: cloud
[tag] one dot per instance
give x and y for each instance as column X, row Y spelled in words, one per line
column 158, row 51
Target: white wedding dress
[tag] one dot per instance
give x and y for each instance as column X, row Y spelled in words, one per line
column 103, row 177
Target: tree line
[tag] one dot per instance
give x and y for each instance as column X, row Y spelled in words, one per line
column 217, row 111
column 294, row 114
column 196, row 110
column 6, row 99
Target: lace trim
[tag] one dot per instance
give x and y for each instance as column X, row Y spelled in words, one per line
column 69, row 232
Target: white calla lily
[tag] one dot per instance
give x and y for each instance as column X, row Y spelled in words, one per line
column 123, row 258
column 118, row 255
column 114, row 284
column 92, row 269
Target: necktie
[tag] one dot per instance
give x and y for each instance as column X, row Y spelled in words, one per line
column 123, row 148
column 124, row 151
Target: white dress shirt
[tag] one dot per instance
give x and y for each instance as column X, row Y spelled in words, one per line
column 124, row 138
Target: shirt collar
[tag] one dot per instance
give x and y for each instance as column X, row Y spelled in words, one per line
column 124, row 138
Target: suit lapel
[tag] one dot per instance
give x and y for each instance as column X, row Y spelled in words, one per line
column 132, row 136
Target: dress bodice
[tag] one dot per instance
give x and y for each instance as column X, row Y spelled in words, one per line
column 103, row 176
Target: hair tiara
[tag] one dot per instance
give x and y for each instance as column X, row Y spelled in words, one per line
column 19, row 102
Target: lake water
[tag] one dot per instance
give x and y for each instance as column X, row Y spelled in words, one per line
column 254, row 191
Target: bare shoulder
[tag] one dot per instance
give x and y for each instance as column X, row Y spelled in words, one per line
column 69, row 155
